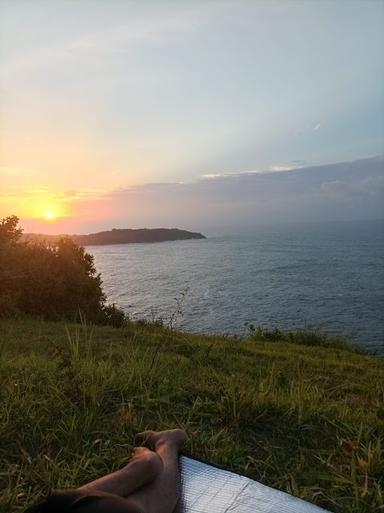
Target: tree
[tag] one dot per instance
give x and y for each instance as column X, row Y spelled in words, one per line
column 56, row 281
column 9, row 232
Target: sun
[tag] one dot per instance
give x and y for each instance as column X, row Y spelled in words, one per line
column 49, row 215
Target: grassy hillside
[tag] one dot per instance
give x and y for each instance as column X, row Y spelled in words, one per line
column 308, row 420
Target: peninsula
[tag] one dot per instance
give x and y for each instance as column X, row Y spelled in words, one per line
column 120, row 236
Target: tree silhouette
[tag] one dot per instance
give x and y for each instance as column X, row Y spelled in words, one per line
column 50, row 281
column 9, row 231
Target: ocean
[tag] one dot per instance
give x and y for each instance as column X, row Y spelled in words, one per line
column 327, row 276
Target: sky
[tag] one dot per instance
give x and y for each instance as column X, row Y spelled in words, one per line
column 196, row 114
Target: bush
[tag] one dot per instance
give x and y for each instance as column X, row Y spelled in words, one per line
column 57, row 281
column 301, row 337
column 114, row 316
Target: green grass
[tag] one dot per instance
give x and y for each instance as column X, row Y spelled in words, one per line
column 305, row 419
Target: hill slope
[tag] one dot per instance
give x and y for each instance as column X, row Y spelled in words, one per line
column 308, row 420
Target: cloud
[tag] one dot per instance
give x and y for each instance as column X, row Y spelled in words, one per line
column 229, row 202
column 33, row 201
column 300, row 163
column 293, row 164
column 212, row 176
column 282, row 167
column 316, row 127
column 334, row 186
column 81, row 194
column 349, row 190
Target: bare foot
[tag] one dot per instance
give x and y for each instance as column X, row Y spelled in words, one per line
column 153, row 439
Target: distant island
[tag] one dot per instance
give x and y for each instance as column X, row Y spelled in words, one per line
column 119, row 236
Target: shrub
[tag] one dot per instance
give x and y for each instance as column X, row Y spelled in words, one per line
column 114, row 316
column 57, row 281
column 301, row 337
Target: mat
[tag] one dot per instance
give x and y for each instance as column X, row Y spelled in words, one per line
column 207, row 489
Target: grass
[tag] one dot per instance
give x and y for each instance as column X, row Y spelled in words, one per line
column 307, row 419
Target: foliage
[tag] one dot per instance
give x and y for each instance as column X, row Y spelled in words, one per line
column 114, row 316
column 9, row 231
column 302, row 337
column 307, row 420
column 57, row 281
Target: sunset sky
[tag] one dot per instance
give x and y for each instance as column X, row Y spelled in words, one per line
column 197, row 114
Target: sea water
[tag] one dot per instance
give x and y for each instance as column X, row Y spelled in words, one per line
column 320, row 276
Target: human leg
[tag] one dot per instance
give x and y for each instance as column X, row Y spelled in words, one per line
column 142, row 468
column 161, row 495
column 158, row 494
column 150, row 483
